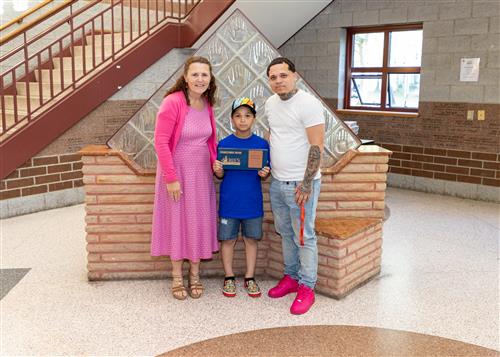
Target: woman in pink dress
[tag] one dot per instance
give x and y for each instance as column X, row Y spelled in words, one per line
column 184, row 215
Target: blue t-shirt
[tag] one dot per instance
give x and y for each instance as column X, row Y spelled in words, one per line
column 241, row 190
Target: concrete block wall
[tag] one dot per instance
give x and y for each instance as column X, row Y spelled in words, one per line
column 452, row 29
column 119, row 202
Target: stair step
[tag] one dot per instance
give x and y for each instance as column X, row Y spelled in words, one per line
column 98, row 38
column 22, row 103
column 66, row 62
column 35, row 89
column 56, row 75
column 78, row 50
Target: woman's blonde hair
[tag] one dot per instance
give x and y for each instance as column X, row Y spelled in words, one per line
column 181, row 85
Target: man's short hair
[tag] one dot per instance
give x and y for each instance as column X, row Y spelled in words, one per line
column 279, row 60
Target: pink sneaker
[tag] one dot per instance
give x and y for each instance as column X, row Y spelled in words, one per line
column 285, row 286
column 303, row 301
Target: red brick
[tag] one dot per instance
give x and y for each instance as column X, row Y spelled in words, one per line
column 393, row 162
column 458, row 153
column 491, row 165
column 14, row 174
column 34, row 190
column 48, row 178
column 71, row 175
column 402, row 156
column 77, row 183
column 392, row 147
column 443, row 176
column 60, row 186
column 482, row 173
column 411, row 164
column 422, row 158
column 400, row 170
column 33, row 171
column 413, row 149
column 70, row 158
column 445, row 160
column 470, row 163
column 484, row 156
column 26, row 164
column 59, row 168
column 435, row 152
column 457, row 170
column 20, row 182
column 9, row 194
column 434, row 167
column 491, row 182
column 422, row 173
column 77, row 165
column 3, row 185
column 39, row 161
column 469, row 179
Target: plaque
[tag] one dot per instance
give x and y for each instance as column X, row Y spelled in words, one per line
column 243, row 159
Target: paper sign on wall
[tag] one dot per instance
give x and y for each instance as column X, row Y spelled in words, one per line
column 469, row 69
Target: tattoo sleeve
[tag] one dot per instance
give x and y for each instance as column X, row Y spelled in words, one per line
column 313, row 161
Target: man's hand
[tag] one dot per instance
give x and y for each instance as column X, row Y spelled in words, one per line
column 302, row 194
column 218, row 169
column 264, row 172
column 174, row 190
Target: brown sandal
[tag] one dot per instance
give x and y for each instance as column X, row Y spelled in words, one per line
column 179, row 291
column 195, row 286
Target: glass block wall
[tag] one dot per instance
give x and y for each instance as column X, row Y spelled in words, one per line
column 239, row 55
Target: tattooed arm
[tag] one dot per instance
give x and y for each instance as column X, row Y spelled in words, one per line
column 315, row 135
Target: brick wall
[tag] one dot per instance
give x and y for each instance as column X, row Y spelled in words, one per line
column 43, row 174
column 119, row 202
column 451, row 30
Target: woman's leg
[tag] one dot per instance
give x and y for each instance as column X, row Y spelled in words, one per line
column 178, row 290
column 195, row 286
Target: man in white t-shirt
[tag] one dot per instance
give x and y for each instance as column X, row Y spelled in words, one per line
column 297, row 126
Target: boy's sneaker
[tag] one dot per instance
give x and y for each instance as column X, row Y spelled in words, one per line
column 285, row 286
column 252, row 288
column 303, row 301
column 229, row 288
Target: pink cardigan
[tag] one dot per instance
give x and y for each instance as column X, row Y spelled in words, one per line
column 169, row 124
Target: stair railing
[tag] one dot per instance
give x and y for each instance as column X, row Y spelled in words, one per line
column 58, row 59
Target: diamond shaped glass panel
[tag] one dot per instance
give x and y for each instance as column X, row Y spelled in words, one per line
column 239, row 55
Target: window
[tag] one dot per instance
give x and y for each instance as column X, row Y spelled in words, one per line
column 383, row 68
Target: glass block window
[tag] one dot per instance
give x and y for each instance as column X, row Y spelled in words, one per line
column 239, row 55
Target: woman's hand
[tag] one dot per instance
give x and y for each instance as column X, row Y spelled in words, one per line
column 218, row 169
column 264, row 172
column 174, row 190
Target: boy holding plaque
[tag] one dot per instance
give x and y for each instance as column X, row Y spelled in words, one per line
column 242, row 162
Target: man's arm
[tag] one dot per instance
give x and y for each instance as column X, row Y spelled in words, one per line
column 316, row 137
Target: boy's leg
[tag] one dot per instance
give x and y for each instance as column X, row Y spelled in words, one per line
column 251, row 256
column 227, row 252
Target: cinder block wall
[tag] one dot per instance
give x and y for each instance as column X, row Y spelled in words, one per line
column 438, row 151
column 119, row 204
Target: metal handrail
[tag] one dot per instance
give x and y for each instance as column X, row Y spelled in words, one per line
column 126, row 27
column 33, row 23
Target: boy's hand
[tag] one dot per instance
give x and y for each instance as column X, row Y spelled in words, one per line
column 218, row 169
column 264, row 172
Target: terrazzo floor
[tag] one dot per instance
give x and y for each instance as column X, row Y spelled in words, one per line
column 440, row 276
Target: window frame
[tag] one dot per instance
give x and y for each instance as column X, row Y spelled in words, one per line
column 385, row 69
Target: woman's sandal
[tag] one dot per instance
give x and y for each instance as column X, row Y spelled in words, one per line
column 195, row 286
column 178, row 289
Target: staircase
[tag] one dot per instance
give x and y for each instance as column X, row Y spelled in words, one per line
column 107, row 45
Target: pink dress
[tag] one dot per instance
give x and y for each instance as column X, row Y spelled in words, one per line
column 187, row 229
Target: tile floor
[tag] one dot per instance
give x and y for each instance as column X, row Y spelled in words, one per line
column 440, row 276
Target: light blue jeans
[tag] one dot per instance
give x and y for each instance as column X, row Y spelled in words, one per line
column 301, row 262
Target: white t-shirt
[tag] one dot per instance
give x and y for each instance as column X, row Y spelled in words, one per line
column 288, row 120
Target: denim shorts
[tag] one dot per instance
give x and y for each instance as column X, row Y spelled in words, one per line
column 230, row 227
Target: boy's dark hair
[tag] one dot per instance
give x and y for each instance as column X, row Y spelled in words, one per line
column 279, row 60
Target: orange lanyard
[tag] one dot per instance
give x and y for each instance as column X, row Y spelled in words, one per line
column 302, row 216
